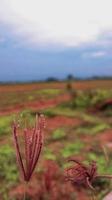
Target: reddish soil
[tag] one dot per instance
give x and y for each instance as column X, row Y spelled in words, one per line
column 33, row 192
column 30, row 86
column 58, row 121
column 39, row 105
column 82, row 85
column 105, row 137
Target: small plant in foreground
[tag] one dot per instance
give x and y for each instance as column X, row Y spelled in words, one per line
column 83, row 175
column 33, row 140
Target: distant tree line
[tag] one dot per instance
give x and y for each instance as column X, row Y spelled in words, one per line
column 71, row 77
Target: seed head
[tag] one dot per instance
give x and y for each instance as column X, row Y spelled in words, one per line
column 82, row 175
column 33, row 140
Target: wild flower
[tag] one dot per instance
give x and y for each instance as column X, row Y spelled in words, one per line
column 83, row 175
column 33, row 140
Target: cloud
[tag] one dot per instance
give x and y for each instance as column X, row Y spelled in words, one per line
column 94, row 54
column 64, row 23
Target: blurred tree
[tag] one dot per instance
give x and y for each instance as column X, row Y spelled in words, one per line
column 70, row 77
column 69, row 86
column 51, row 79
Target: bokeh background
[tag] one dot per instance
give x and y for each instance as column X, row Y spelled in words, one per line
column 56, row 58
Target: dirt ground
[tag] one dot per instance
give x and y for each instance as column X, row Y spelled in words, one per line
column 57, row 121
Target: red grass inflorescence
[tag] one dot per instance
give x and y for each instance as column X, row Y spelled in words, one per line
column 83, row 175
column 33, row 140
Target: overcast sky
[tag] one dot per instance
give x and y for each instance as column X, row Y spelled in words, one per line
column 41, row 38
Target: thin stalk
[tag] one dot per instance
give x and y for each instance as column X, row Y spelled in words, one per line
column 93, row 196
column 25, row 190
column 104, row 176
column 105, row 154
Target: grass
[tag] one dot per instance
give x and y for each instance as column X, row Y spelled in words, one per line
column 6, row 121
column 8, row 170
column 72, row 149
column 58, row 134
column 49, row 92
column 87, row 99
column 48, row 154
column 5, row 124
column 8, row 99
column 58, row 111
column 92, row 129
column 101, row 163
column 68, row 112
column 50, row 112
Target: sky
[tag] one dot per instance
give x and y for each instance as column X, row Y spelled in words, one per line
column 45, row 38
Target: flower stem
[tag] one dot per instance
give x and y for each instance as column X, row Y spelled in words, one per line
column 104, row 176
column 93, row 196
column 25, row 191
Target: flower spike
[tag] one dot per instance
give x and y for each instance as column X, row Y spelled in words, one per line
column 33, row 141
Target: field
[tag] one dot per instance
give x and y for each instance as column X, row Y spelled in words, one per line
column 78, row 125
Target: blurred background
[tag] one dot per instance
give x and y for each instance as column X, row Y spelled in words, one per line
column 56, row 58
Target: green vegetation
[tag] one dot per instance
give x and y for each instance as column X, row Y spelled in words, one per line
column 48, row 154
column 92, row 128
column 49, row 92
column 50, row 113
column 8, row 99
column 56, row 111
column 8, row 169
column 103, row 167
column 58, row 134
column 69, row 112
column 5, row 125
column 72, row 149
column 6, row 121
column 86, row 99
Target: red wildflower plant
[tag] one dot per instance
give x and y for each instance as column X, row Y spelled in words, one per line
column 33, row 140
column 83, row 175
